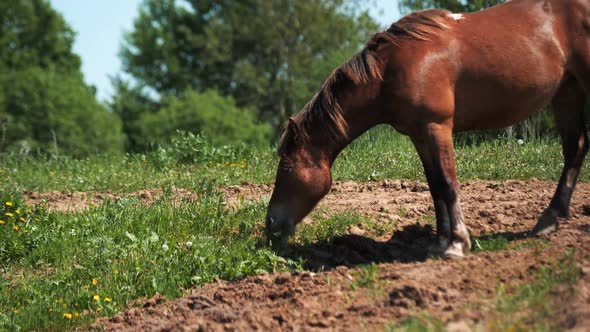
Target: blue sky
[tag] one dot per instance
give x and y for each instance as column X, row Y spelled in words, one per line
column 100, row 26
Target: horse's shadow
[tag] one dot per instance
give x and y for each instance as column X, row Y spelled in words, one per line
column 405, row 246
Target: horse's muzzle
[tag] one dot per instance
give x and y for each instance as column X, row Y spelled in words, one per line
column 278, row 231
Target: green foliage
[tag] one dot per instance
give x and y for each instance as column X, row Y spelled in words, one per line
column 328, row 227
column 44, row 104
column 19, row 229
column 98, row 261
column 490, row 243
column 33, row 34
column 131, row 104
column 207, row 113
column 188, row 148
column 268, row 55
column 365, row 277
column 417, row 323
column 52, row 111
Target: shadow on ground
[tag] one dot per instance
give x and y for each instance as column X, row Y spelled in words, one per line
column 405, row 246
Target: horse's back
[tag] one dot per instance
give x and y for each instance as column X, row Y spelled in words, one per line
column 491, row 68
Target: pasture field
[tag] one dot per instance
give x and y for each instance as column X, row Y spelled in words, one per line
column 109, row 242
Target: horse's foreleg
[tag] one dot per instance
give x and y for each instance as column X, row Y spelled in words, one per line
column 435, row 147
column 568, row 108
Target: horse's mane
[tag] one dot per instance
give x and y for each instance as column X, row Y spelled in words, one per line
column 360, row 69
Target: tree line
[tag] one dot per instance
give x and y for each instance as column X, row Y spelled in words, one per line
column 232, row 70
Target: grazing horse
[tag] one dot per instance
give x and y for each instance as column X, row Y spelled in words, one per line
column 434, row 73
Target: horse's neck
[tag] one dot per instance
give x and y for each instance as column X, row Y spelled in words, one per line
column 356, row 125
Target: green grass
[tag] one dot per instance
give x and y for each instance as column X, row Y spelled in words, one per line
column 490, row 243
column 379, row 154
column 417, row 323
column 365, row 277
column 97, row 262
column 496, row 242
column 323, row 229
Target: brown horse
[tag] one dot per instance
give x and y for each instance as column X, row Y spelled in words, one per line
column 434, row 73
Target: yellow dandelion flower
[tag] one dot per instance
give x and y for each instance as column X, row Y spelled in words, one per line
column 94, row 281
column 2, row 222
column 116, row 271
column 64, row 305
column 99, row 309
column 8, row 203
column 16, row 228
column 76, row 314
column 67, row 316
column 107, row 299
column 96, row 298
column 22, row 219
column 17, row 211
column 10, row 215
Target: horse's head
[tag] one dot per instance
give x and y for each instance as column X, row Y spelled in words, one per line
column 303, row 179
column 312, row 140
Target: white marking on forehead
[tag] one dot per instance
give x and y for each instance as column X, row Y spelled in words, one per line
column 456, row 17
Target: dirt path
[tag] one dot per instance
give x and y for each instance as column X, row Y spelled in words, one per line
column 462, row 294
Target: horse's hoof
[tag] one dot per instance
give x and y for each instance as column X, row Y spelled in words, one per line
column 546, row 224
column 454, row 251
column 541, row 230
column 442, row 249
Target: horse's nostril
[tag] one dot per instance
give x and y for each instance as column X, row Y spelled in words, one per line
column 270, row 225
column 270, row 221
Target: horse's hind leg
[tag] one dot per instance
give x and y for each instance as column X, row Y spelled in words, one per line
column 435, row 147
column 568, row 108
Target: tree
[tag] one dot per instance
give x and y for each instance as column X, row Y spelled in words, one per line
column 33, row 34
column 44, row 103
column 456, row 6
column 269, row 55
column 48, row 111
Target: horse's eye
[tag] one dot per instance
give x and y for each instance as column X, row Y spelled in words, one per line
column 286, row 169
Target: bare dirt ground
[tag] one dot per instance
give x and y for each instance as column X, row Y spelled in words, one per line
column 462, row 293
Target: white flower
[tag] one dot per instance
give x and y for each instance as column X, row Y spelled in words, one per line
column 520, row 142
column 188, row 244
column 165, row 247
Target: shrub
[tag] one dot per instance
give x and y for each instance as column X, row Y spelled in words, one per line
column 209, row 113
column 47, row 111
